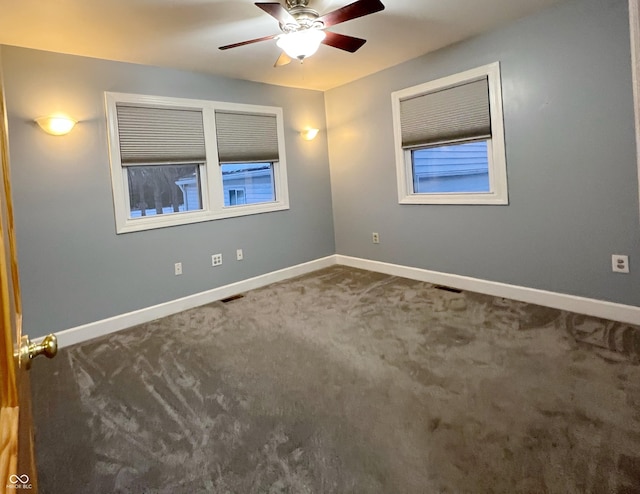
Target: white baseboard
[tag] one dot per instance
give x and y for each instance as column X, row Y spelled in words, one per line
column 597, row 308
column 592, row 307
column 106, row 326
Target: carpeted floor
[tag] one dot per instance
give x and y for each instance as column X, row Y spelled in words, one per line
column 346, row 381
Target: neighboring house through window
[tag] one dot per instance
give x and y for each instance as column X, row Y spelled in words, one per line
column 177, row 161
column 450, row 140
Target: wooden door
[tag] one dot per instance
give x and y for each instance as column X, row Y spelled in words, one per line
column 17, row 465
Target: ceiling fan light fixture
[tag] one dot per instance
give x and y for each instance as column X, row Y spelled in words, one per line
column 301, row 44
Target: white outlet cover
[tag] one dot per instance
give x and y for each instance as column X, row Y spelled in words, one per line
column 619, row 263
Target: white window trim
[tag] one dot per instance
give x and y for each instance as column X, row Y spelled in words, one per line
column 211, row 178
column 495, row 145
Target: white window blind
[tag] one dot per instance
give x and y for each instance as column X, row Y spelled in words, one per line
column 160, row 135
column 453, row 114
column 246, row 137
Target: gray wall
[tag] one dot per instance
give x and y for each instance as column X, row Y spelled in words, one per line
column 74, row 268
column 573, row 177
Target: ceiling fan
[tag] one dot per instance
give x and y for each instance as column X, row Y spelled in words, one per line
column 303, row 29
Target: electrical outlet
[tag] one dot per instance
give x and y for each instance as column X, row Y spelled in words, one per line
column 375, row 237
column 177, row 268
column 216, row 260
column 619, row 263
column 239, row 255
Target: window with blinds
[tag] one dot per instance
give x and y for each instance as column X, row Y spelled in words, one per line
column 160, row 135
column 177, row 161
column 443, row 116
column 162, row 150
column 246, row 137
column 247, row 151
column 450, row 140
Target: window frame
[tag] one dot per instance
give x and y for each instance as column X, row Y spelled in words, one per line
column 498, row 194
column 212, row 191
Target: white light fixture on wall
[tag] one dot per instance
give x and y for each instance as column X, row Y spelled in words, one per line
column 301, row 44
column 309, row 134
column 56, row 125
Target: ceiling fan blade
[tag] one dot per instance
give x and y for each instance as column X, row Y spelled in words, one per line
column 343, row 42
column 354, row 10
column 283, row 59
column 278, row 12
column 248, row 42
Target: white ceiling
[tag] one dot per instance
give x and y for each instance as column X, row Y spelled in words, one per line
column 185, row 34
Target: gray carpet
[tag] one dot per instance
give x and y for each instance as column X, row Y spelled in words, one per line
column 346, row 381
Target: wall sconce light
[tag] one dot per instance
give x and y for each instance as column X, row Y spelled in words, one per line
column 309, row 134
column 56, row 125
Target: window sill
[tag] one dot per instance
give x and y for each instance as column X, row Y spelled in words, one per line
column 478, row 199
column 177, row 219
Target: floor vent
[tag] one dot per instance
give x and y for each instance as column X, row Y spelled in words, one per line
column 448, row 289
column 231, row 298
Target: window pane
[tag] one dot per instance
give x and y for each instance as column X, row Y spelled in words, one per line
column 451, row 168
column 163, row 189
column 248, row 183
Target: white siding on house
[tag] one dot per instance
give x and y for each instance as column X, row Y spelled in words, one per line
column 256, row 183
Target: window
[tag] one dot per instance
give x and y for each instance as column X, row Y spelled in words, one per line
column 176, row 161
column 451, row 168
column 449, row 140
column 248, row 183
column 163, row 189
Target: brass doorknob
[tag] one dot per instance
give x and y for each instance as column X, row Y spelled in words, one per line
column 29, row 350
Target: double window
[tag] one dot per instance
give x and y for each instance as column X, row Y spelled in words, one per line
column 177, row 161
column 450, row 140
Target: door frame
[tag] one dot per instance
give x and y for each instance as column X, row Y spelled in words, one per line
column 634, row 33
